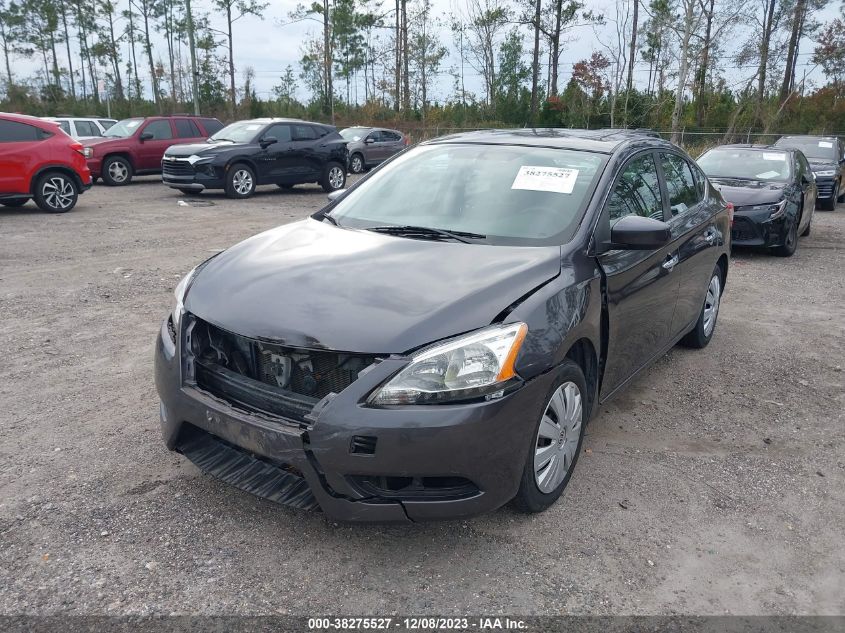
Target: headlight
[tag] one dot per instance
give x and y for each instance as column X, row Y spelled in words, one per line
column 193, row 158
column 826, row 172
column 471, row 366
column 179, row 294
column 88, row 152
column 775, row 210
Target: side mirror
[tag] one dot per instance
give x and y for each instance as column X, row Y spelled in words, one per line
column 267, row 141
column 369, row 140
column 636, row 233
column 146, row 136
column 334, row 195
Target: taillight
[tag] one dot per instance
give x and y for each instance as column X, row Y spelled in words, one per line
column 77, row 147
column 731, row 212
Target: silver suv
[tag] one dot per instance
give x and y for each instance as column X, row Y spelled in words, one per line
column 82, row 127
column 369, row 146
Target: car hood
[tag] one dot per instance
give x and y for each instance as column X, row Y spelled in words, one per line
column 104, row 140
column 202, row 149
column 823, row 165
column 311, row 284
column 741, row 192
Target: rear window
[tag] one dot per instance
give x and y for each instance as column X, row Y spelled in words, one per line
column 212, row 126
column 15, row 132
column 510, row 194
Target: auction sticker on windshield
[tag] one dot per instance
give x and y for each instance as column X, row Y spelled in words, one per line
column 552, row 179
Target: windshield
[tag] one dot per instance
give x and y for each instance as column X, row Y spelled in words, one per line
column 746, row 163
column 823, row 148
column 353, row 134
column 505, row 194
column 124, row 128
column 240, row 132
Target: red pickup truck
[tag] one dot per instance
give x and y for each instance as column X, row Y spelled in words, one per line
column 135, row 146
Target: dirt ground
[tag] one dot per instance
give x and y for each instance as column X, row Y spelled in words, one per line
column 715, row 484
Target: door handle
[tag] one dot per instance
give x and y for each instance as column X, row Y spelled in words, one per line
column 670, row 263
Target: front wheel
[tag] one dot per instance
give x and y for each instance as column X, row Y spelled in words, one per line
column 701, row 334
column 56, row 192
column 556, row 441
column 333, row 178
column 790, row 241
column 356, row 164
column 240, row 181
column 117, row 171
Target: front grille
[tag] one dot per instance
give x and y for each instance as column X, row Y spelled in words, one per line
column 743, row 230
column 176, row 168
column 266, row 377
column 825, row 189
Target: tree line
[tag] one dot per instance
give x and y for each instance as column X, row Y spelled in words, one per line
column 674, row 65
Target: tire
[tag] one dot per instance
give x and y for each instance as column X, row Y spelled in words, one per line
column 117, row 171
column 333, row 178
column 554, row 448
column 356, row 164
column 841, row 197
column 56, row 192
column 18, row 202
column 705, row 326
column 829, row 204
column 790, row 241
column 240, row 181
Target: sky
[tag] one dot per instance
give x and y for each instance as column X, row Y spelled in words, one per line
column 272, row 42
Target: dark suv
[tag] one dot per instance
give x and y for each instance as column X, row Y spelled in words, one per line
column 243, row 155
column 827, row 160
column 135, row 146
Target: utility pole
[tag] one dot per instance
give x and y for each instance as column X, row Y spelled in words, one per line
column 194, row 84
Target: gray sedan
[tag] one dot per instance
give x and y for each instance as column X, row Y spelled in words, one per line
column 369, row 146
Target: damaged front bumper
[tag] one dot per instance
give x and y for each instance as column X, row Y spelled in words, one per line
column 355, row 462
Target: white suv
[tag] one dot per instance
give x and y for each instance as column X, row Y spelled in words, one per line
column 82, row 127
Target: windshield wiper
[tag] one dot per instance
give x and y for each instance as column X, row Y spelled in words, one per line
column 427, row 232
column 332, row 220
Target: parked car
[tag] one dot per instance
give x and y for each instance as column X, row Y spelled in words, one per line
column 243, row 155
column 432, row 343
column 369, row 146
column 136, row 145
column 826, row 155
column 39, row 161
column 772, row 190
column 82, row 127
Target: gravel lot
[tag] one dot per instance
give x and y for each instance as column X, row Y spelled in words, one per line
column 715, row 484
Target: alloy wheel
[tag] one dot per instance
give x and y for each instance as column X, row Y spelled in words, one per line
column 118, row 171
column 58, row 193
column 558, row 437
column 711, row 304
column 242, row 182
column 336, row 177
column 357, row 165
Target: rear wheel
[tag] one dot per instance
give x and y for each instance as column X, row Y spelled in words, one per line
column 701, row 334
column 18, row 202
column 56, row 192
column 556, row 441
column 333, row 178
column 240, row 181
column 117, row 171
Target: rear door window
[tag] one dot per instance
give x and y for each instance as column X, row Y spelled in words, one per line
column 680, row 184
column 637, row 191
column 303, row 133
column 15, row 132
column 86, row 128
column 159, row 129
column 185, row 128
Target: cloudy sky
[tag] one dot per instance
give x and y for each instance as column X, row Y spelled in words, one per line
column 270, row 43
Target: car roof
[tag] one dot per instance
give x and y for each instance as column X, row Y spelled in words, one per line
column 753, row 146
column 807, row 136
column 26, row 118
column 602, row 141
